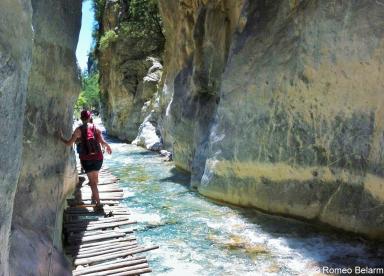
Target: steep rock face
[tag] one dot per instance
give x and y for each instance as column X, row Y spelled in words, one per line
column 48, row 169
column 198, row 40
column 149, row 135
column 278, row 105
column 124, row 63
column 15, row 61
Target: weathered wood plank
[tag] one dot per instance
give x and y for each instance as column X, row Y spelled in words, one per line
column 106, row 251
column 112, row 244
column 79, row 228
column 120, row 270
column 98, row 268
column 90, row 245
column 133, row 272
column 81, row 239
column 91, row 260
column 105, row 247
column 96, row 222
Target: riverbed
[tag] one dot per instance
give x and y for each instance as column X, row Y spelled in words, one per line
column 198, row 236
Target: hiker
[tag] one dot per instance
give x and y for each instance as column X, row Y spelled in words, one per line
column 90, row 154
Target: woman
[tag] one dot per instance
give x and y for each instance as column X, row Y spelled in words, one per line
column 91, row 156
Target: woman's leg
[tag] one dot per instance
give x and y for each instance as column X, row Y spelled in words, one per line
column 93, row 178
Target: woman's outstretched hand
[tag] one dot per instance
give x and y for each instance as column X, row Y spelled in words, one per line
column 108, row 148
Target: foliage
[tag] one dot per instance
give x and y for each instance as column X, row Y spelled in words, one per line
column 89, row 97
column 107, row 39
column 140, row 20
column 143, row 20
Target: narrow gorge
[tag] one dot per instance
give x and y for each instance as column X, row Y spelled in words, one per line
column 271, row 105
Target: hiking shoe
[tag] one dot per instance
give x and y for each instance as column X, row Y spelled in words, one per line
column 99, row 208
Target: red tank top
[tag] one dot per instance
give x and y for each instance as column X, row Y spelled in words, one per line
column 91, row 131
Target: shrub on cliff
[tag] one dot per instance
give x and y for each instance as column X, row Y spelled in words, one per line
column 143, row 20
column 107, row 39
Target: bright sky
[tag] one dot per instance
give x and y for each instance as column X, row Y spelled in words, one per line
column 85, row 39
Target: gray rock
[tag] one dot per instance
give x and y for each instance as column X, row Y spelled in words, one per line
column 129, row 74
column 48, row 168
column 278, row 105
column 15, row 61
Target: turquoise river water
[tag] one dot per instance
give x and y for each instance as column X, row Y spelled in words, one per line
column 198, row 236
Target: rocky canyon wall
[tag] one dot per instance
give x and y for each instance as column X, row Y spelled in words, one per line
column 129, row 53
column 48, row 171
column 38, row 86
column 278, row 105
column 275, row 105
column 15, row 61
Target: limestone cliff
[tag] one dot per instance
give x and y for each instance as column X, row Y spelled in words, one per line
column 278, row 105
column 38, row 86
column 129, row 52
column 275, row 105
column 15, row 61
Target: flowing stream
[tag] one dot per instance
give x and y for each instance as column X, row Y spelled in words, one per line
column 200, row 237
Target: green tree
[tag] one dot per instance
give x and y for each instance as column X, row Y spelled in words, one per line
column 89, row 97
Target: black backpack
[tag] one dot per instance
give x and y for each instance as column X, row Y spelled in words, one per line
column 88, row 146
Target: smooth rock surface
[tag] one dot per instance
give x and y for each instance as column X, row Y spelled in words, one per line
column 15, row 61
column 48, row 169
column 299, row 128
column 128, row 73
column 278, row 105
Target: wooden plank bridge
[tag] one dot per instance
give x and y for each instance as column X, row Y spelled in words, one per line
column 102, row 242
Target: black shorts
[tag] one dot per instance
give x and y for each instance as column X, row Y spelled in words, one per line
column 91, row 165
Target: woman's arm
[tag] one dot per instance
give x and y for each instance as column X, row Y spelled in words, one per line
column 75, row 135
column 101, row 140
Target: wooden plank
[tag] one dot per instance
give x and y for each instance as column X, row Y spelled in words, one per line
column 112, row 244
column 105, row 246
column 89, row 245
column 91, row 211
column 119, row 270
column 106, row 251
column 73, row 202
column 106, row 182
column 133, row 272
column 96, row 222
column 102, row 192
column 119, row 260
column 103, row 267
column 103, row 189
column 91, row 260
column 97, row 237
column 78, row 228
column 86, row 209
column 102, row 195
